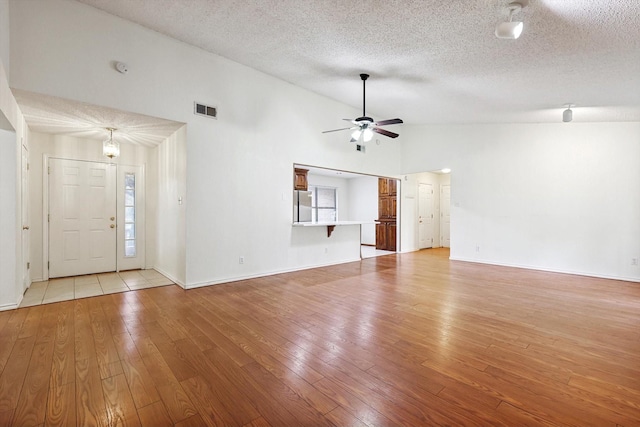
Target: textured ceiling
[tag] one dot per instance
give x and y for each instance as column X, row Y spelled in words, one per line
column 53, row 115
column 431, row 61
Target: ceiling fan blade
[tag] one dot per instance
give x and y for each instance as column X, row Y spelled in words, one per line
column 385, row 132
column 336, row 130
column 388, row 122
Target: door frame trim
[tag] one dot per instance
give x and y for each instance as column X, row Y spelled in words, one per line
column 432, row 216
column 45, row 209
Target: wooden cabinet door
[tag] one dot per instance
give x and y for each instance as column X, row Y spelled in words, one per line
column 393, row 207
column 385, row 206
column 393, row 186
column 391, row 236
column 381, row 236
column 300, row 179
column 383, row 186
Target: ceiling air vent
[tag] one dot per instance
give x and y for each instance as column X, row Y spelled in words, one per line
column 205, row 110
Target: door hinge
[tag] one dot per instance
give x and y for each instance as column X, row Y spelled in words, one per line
column 28, row 265
column 48, row 217
column 49, row 170
column 47, row 265
column 27, row 166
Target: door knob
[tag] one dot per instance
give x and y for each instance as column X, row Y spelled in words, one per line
column 112, row 226
column 25, row 227
column 112, row 218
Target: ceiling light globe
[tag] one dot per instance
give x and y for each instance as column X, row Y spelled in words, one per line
column 509, row 30
column 368, row 134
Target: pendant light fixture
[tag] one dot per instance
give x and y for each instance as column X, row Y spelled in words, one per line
column 110, row 148
column 511, row 29
column 567, row 115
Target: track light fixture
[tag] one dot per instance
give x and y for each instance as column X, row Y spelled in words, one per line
column 567, row 115
column 511, row 29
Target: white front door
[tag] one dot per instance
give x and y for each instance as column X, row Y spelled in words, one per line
column 82, row 217
column 445, row 216
column 24, row 194
column 425, row 215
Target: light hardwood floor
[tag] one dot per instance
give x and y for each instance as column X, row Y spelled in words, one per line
column 406, row 339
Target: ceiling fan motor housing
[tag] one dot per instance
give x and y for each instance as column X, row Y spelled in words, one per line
column 364, row 119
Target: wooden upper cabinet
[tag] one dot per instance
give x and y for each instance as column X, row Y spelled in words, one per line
column 387, row 187
column 300, row 179
column 387, row 198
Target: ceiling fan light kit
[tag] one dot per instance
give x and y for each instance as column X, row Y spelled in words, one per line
column 365, row 126
column 511, row 29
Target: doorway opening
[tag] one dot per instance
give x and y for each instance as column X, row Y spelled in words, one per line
column 426, row 215
column 94, row 217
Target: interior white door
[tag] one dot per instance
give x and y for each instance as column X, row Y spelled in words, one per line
column 445, row 216
column 24, row 195
column 82, row 217
column 425, row 215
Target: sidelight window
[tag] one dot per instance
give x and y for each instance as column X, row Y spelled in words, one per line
column 129, row 215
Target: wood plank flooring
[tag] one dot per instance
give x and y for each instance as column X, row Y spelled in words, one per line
column 401, row 340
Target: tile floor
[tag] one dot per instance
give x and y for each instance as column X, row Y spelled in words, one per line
column 68, row 288
column 371, row 251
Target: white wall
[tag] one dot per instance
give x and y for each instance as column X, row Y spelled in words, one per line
column 68, row 147
column 12, row 136
column 4, row 34
column 364, row 205
column 560, row 197
column 169, row 196
column 9, row 291
column 239, row 192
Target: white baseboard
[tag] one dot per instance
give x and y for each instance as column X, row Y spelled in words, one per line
column 264, row 274
column 550, row 270
column 6, row 307
column 170, row 277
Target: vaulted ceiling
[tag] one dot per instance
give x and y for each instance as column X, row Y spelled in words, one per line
column 430, row 61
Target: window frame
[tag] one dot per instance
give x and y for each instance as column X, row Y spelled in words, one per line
column 315, row 209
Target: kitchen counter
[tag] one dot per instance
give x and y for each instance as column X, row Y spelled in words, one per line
column 330, row 225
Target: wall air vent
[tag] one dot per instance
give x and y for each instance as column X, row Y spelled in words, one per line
column 360, row 148
column 205, row 110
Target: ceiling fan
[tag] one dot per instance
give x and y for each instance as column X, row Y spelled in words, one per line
column 365, row 126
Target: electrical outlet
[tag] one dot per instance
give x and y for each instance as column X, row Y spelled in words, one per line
column 326, row 250
column 477, row 248
column 241, row 260
column 634, row 261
